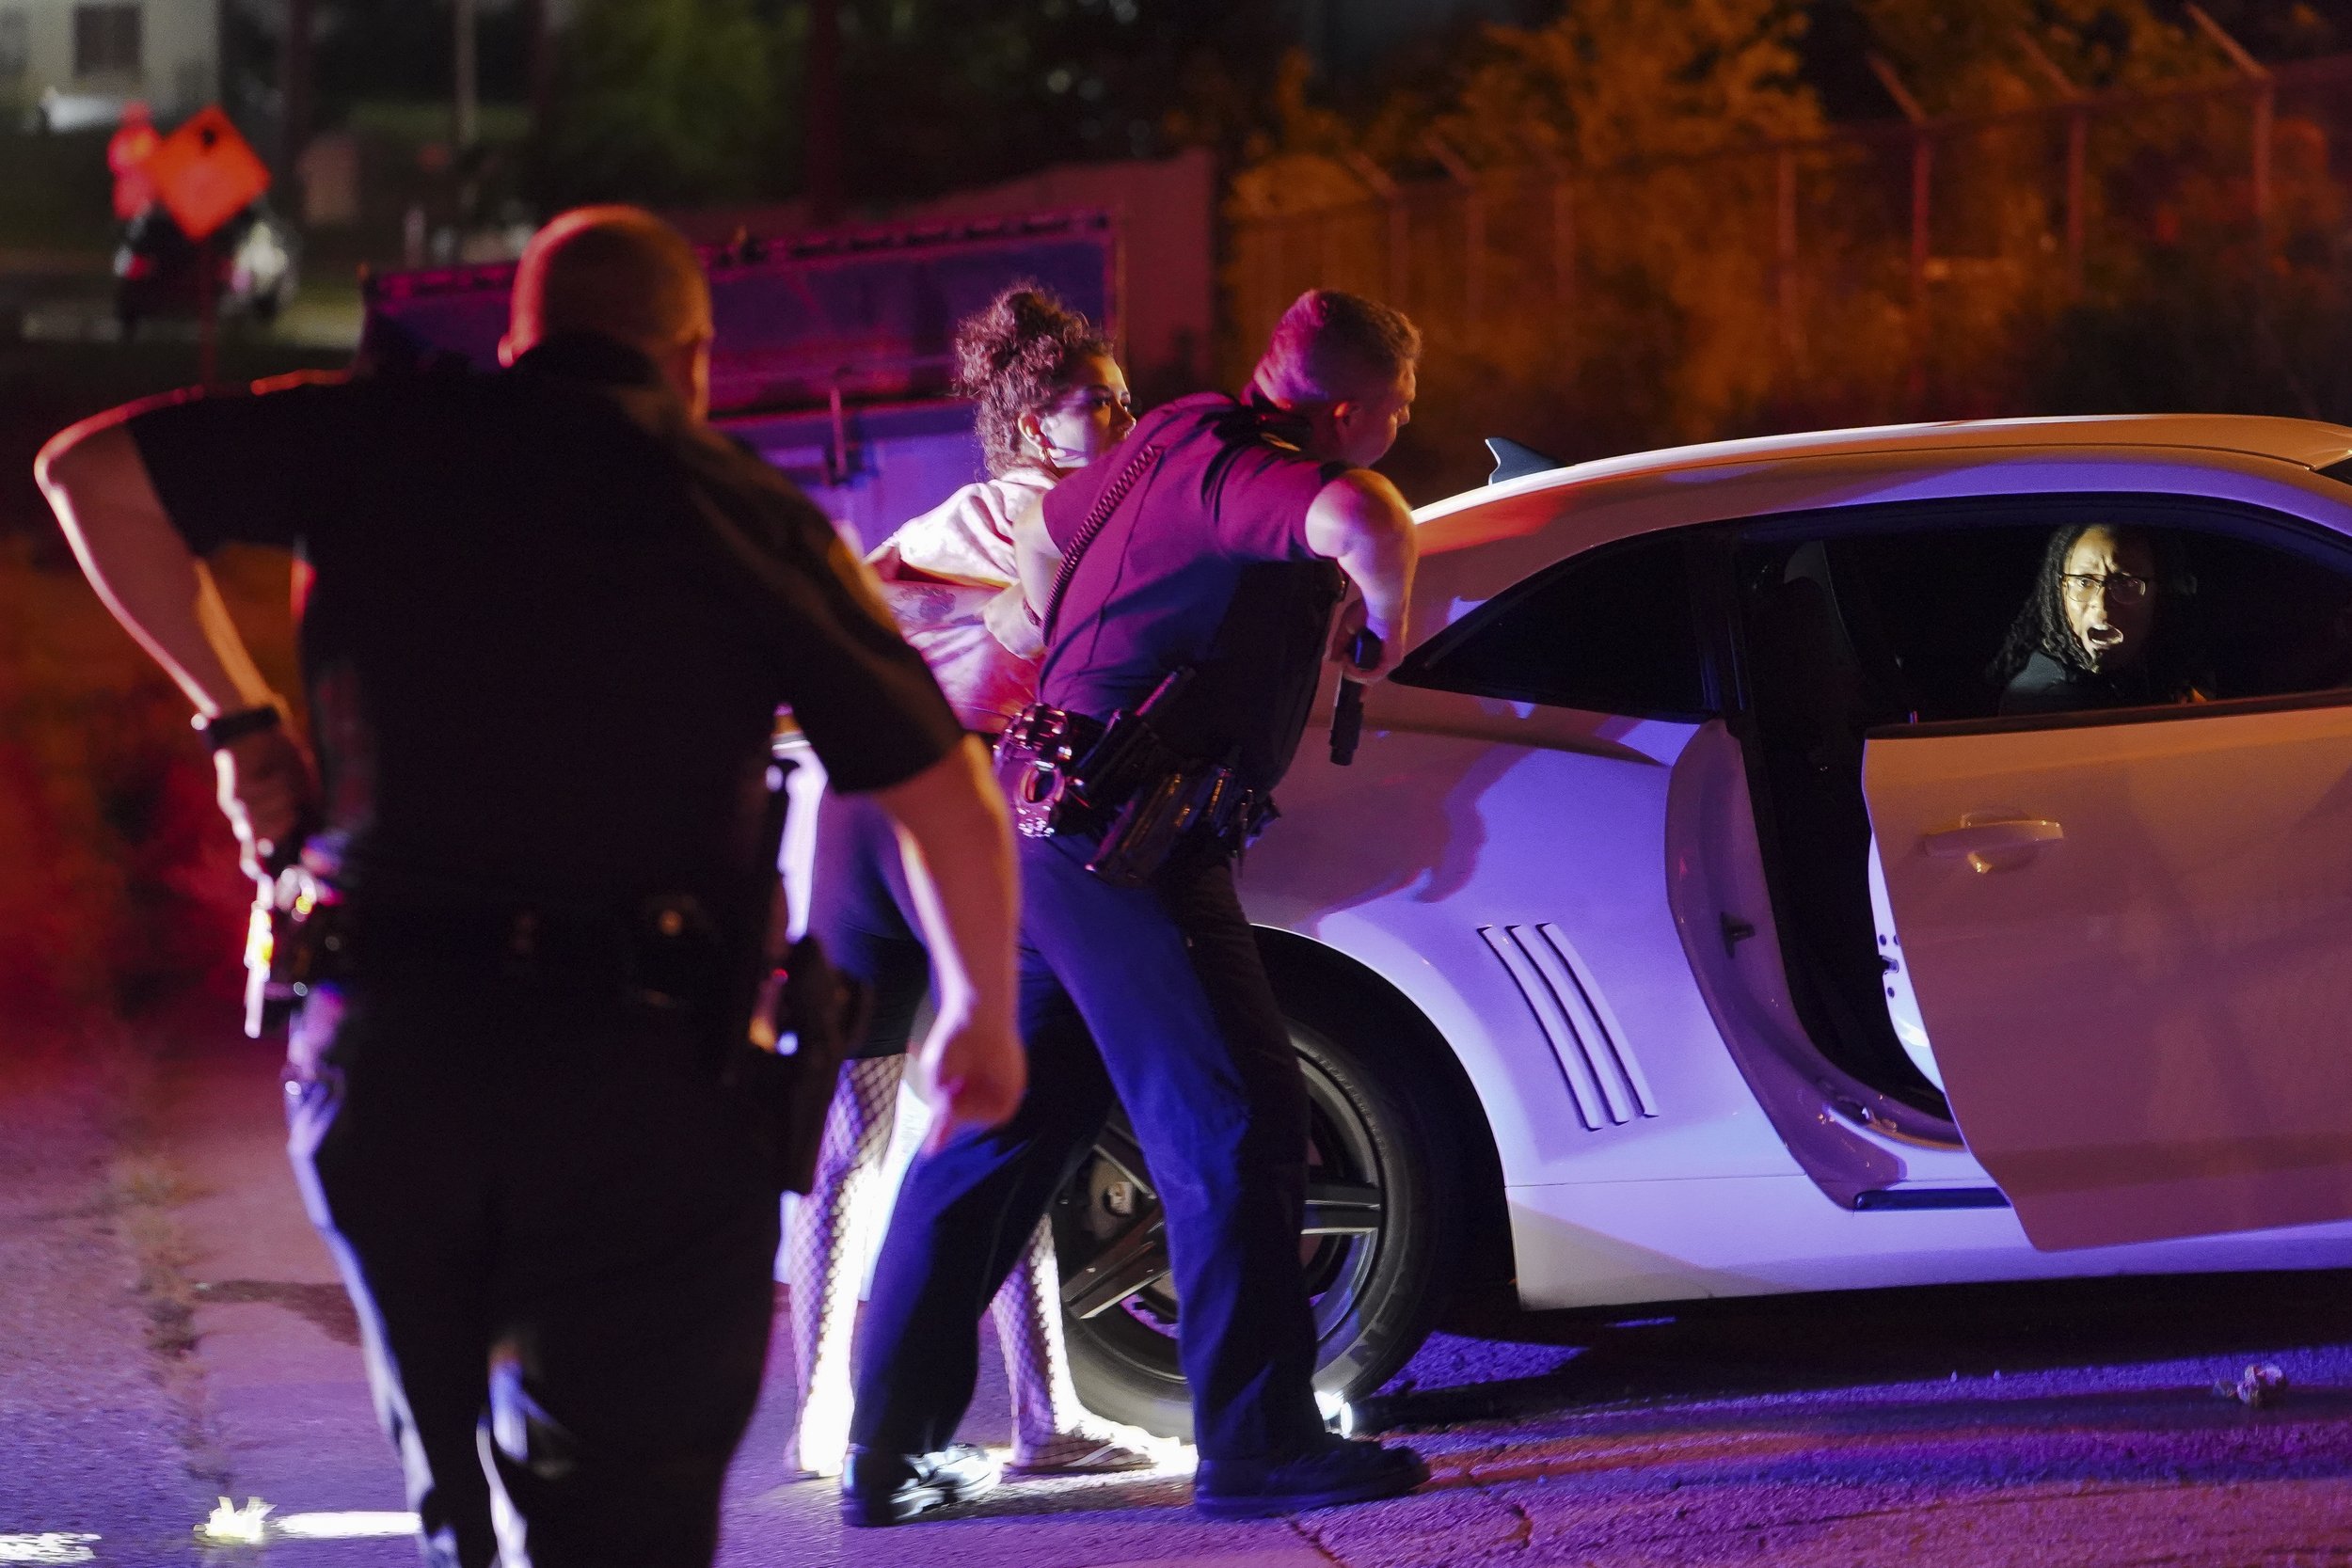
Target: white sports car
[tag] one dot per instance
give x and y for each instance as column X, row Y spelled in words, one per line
column 1582, row 955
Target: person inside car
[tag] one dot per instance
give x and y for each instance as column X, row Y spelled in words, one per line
column 2104, row 626
column 2097, row 630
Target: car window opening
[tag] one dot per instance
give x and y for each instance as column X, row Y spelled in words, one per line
column 1848, row 634
column 1611, row 631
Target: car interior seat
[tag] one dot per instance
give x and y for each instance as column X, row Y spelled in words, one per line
column 1815, row 695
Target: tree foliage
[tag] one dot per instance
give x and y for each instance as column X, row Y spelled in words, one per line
column 1607, row 253
column 699, row 100
column 665, row 101
column 1663, row 334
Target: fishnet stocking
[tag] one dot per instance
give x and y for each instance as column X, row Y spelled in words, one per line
column 1028, row 1314
column 824, row 1263
column 825, row 1253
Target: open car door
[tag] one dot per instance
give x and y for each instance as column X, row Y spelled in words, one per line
column 2130, row 935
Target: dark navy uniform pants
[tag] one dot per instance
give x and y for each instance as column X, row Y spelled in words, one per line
column 1158, row 991
column 559, row 1232
column 861, row 911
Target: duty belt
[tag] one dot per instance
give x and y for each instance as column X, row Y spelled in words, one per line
column 1120, row 783
column 665, row 950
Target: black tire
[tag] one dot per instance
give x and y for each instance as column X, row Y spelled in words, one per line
column 1380, row 1159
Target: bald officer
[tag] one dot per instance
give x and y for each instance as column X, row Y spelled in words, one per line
column 553, row 619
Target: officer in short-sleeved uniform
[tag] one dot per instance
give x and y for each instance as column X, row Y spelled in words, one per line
column 551, row 621
column 1157, row 990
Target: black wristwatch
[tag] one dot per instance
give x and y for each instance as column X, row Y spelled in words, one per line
column 232, row 727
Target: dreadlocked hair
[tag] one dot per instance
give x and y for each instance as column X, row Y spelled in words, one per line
column 1017, row 356
column 2042, row 627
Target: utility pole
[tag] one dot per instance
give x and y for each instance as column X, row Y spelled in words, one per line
column 464, row 128
column 541, row 62
column 465, row 118
column 1400, row 235
column 1922, row 187
column 2077, row 143
column 1473, row 224
column 293, row 89
column 822, row 133
column 2266, row 107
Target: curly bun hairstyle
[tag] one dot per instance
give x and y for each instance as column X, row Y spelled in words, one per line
column 1017, row 356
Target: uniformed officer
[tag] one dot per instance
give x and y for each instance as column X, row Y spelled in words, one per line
column 1218, row 539
column 552, row 618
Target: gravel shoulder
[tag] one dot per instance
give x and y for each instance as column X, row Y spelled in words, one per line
column 101, row 1431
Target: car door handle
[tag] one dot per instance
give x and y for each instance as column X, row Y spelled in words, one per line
column 1976, row 840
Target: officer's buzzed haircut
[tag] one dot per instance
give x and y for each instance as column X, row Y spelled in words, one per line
column 619, row 271
column 1335, row 347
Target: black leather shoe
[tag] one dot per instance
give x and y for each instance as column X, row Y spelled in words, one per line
column 1331, row 1472
column 891, row 1488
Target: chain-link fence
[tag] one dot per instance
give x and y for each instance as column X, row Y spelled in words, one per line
column 1929, row 266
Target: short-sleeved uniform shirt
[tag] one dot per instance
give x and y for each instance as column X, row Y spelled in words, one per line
column 1203, row 563
column 551, row 619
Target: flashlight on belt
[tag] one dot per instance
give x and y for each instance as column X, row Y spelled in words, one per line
column 1348, row 714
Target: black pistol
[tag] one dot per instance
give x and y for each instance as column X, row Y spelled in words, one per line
column 1348, row 714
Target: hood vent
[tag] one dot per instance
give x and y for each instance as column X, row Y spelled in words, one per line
column 1601, row 1074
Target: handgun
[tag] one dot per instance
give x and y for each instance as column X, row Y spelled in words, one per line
column 1348, row 714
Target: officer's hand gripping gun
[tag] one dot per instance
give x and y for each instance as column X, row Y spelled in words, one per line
column 1348, row 714
column 288, row 937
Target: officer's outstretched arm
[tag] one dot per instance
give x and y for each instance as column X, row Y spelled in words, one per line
column 163, row 596
column 1360, row 521
column 958, row 843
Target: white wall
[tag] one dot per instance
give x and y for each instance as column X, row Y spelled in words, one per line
column 180, row 55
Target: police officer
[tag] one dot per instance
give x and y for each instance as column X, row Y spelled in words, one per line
column 552, row 618
column 1218, row 539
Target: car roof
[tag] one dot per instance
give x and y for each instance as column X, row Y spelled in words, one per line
column 1527, row 502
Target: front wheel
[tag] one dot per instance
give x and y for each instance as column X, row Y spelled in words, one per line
column 1376, row 1251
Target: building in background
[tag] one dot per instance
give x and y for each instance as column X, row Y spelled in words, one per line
column 68, row 65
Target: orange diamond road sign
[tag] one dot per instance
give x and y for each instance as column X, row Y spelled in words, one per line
column 206, row 174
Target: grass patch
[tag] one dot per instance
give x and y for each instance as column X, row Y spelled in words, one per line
column 58, row 195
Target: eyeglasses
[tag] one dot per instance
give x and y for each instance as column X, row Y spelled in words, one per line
column 2119, row 587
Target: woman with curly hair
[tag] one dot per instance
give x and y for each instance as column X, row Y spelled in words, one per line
column 1051, row 399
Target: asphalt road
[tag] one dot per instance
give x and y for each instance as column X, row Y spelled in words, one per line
column 2070, row 1424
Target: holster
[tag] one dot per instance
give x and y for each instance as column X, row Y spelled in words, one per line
column 810, row 1014
column 780, row 1040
